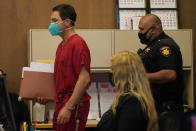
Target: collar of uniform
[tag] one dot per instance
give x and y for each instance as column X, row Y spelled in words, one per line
column 161, row 36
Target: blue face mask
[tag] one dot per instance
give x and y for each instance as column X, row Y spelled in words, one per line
column 54, row 29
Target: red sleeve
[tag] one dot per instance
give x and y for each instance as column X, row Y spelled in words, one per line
column 81, row 57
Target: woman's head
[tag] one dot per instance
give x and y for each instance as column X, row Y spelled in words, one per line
column 129, row 77
column 128, row 72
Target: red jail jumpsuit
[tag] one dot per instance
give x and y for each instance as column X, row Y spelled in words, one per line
column 68, row 63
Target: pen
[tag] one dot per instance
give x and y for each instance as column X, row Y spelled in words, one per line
column 20, row 127
column 24, row 126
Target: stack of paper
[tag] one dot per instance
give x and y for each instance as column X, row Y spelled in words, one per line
column 37, row 81
column 103, row 94
column 94, row 110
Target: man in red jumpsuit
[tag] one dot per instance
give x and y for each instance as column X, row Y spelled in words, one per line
column 71, row 71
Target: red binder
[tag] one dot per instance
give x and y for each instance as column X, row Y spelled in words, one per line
column 37, row 84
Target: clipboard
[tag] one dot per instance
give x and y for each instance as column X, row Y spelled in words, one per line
column 37, row 84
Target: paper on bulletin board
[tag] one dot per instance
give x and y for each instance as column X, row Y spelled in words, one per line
column 168, row 18
column 131, row 3
column 163, row 3
column 135, row 22
column 126, row 16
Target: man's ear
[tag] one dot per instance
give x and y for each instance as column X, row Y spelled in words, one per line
column 153, row 29
column 67, row 22
column 150, row 33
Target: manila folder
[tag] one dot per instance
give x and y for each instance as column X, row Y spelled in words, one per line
column 37, row 84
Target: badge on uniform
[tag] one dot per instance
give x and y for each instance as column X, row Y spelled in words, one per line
column 165, row 51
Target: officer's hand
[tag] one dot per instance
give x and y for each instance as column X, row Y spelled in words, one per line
column 41, row 100
column 64, row 116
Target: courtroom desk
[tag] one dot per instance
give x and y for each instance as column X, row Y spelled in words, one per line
column 90, row 125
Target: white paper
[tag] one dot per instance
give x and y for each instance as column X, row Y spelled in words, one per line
column 106, row 100
column 131, row 3
column 92, row 88
column 39, row 67
column 42, row 67
column 168, row 18
column 135, row 22
column 163, row 3
column 126, row 16
column 107, row 95
column 27, row 69
column 38, row 112
column 94, row 111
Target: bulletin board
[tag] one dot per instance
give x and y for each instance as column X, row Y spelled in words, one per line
column 127, row 18
column 168, row 18
column 131, row 3
column 129, row 11
column 163, row 4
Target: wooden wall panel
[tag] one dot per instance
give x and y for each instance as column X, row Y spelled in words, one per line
column 18, row 16
column 188, row 20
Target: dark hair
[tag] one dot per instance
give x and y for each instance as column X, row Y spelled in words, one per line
column 66, row 11
column 169, row 121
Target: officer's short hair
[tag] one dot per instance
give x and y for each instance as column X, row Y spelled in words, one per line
column 157, row 21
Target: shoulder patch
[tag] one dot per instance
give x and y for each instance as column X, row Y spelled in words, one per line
column 165, row 51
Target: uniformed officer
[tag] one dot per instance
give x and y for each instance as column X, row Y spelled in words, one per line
column 163, row 62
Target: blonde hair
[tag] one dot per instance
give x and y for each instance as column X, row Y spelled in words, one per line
column 130, row 78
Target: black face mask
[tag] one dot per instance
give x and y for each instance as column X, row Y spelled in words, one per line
column 143, row 38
